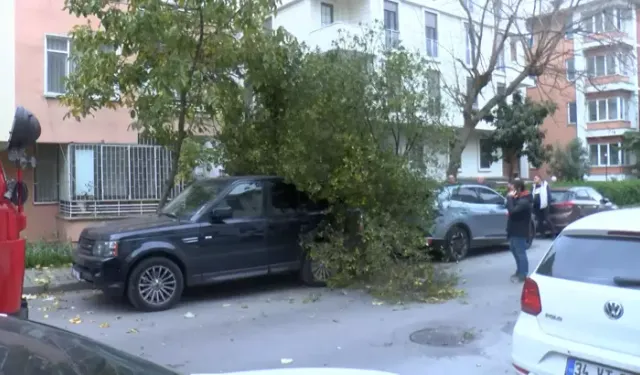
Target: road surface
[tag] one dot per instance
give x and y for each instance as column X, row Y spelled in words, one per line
column 244, row 326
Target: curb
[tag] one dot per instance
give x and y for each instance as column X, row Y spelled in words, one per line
column 59, row 288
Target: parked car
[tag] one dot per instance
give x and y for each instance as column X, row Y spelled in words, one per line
column 570, row 204
column 27, row 347
column 579, row 306
column 215, row 230
column 469, row 216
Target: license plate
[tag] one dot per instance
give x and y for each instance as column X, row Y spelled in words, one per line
column 577, row 367
column 75, row 274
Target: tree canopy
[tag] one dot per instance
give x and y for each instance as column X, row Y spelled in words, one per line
column 166, row 62
column 355, row 126
column 517, row 131
column 570, row 162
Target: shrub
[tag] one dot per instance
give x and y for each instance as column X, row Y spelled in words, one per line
column 570, row 162
column 48, row 254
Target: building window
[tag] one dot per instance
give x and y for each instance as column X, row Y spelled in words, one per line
column 501, row 89
column 391, row 24
column 571, row 69
column 572, row 113
column 113, row 180
column 469, row 89
column 606, row 20
column 469, row 5
column 610, row 109
column 57, row 64
column 607, row 154
column 433, row 84
column 268, row 24
column 469, row 38
column 486, row 158
column 500, row 64
column 45, row 174
column 568, row 27
column 603, row 65
column 326, row 14
column 514, row 50
column 431, row 32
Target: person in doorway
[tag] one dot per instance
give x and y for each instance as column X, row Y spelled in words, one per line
column 519, row 207
column 541, row 199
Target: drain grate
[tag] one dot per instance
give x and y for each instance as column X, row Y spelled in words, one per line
column 448, row 337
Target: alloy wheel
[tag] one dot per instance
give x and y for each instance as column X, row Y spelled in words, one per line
column 157, row 285
column 320, row 271
column 458, row 244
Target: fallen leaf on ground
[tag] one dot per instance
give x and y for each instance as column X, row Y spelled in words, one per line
column 28, row 296
column 286, row 361
column 377, row 303
column 104, row 325
column 189, row 315
column 226, row 304
column 46, row 316
column 49, row 298
column 132, row 330
column 75, row 320
column 244, row 306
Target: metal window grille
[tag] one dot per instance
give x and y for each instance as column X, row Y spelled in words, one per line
column 105, row 180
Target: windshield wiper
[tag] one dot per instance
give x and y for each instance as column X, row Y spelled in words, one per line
column 169, row 214
column 626, row 281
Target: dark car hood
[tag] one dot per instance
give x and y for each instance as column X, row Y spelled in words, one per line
column 56, row 351
column 138, row 224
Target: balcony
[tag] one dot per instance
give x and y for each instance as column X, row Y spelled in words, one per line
column 613, row 38
column 324, row 37
column 616, row 82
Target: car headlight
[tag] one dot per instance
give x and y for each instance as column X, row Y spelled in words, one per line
column 105, row 249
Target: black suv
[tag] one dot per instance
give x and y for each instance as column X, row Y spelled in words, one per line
column 215, row 230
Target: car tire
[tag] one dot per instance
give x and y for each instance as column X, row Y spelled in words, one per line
column 155, row 284
column 459, row 237
column 312, row 273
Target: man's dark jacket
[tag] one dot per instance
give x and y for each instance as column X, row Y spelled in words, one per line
column 519, row 208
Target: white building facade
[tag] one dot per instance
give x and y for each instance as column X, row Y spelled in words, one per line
column 436, row 29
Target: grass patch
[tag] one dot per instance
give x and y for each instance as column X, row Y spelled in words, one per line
column 48, row 254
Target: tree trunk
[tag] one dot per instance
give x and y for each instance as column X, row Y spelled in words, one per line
column 173, row 172
column 455, row 154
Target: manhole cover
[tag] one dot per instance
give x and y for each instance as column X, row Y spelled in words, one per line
column 443, row 336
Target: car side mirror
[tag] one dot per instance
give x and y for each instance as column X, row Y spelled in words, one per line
column 221, row 213
column 604, row 201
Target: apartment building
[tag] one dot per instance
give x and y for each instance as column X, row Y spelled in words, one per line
column 435, row 28
column 88, row 170
column 597, row 95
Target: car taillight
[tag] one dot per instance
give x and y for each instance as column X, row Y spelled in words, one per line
column 530, row 302
column 563, row 205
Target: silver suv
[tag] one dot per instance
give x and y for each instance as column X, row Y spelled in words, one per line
column 469, row 216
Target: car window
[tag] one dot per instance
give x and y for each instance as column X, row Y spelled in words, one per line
column 245, row 200
column 592, row 259
column 284, row 199
column 465, row 194
column 583, row 195
column 593, row 193
column 489, row 196
column 559, row 195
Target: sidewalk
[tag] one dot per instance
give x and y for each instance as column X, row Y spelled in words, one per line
column 50, row 280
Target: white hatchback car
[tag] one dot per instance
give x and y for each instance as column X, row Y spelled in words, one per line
column 581, row 306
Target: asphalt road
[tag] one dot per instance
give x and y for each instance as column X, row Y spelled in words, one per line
column 272, row 323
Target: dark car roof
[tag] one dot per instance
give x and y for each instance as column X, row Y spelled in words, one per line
column 236, row 178
column 32, row 348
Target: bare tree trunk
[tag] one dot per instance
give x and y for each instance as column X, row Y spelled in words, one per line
column 173, row 172
column 455, row 154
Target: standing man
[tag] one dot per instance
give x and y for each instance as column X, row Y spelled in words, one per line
column 451, row 180
column 519, row 208
column 541, row 200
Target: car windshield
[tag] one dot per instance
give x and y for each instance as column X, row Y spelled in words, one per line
column 592, row 259
column 194, row 198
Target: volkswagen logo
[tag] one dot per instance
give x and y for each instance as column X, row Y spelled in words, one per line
column 614, row 310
